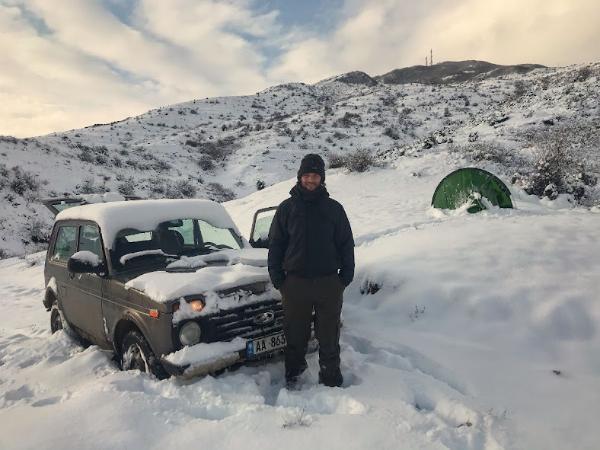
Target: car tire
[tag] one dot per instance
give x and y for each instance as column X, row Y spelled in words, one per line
column 56, row 319
column 58, row 322
column 136, row 354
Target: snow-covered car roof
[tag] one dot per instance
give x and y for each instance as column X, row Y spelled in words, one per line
column 147, row 214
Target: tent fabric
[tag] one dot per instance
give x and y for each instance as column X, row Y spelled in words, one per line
column 473, row 185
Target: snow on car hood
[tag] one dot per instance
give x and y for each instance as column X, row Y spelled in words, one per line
column 244, row 267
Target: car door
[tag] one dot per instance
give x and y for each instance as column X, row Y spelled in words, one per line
column 85, row 301
column 65, row 245
column 261, row 224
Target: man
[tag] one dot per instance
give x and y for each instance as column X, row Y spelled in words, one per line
column 311, row 261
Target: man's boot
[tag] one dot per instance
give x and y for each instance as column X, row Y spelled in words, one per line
column 292, row 375
column 331, row 377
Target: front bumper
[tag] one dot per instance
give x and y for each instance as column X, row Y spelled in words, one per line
column 225, row 361
column 216, row 364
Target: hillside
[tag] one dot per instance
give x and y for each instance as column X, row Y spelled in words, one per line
column 222, row 148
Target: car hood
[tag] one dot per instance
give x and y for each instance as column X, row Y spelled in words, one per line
column 243, row 267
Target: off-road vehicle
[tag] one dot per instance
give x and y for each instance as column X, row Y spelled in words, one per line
column 170, row 286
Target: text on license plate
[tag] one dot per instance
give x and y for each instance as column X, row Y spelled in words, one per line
column 265, row 344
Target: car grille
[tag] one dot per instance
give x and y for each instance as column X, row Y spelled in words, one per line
column 241, row 322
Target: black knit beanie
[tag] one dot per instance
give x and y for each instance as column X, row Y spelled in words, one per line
column 312, row 163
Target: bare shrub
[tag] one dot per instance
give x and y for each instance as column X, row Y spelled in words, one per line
column 520, row 89
column 98, row 154
column 39, row 231
column 88, row 186
column 3, row 175
column 583, row 74
column 548, row 177
column 186, row 188
column 369, row 287
column 219, row 150
column 391, row 133
column 480, row 151
column 360, row 160
column 219, row 193
column 22, row 182
column 180, row 189
column 159, row 165
column 565, row 162
column 206, row 163
column 349, row 119
column 336, row 160
column 127, row 187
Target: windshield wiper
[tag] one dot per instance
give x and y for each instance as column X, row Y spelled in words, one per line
column 123, row 259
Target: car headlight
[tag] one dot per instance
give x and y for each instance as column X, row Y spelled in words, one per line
column 190, row 333
column 196, row 305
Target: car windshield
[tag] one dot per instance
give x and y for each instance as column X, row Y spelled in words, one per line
column 171, row 239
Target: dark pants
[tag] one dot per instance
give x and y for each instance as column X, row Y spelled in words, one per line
column 300, row 296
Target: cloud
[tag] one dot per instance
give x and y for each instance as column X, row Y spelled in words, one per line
column 380, row 36
column 89, row 66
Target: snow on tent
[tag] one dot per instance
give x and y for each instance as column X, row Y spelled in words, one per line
column 471, row 185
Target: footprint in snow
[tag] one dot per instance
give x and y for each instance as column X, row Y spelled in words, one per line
column 14, row 395
column 406, row 359
column 47, row 401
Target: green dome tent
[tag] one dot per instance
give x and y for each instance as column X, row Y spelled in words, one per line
column 471, row 184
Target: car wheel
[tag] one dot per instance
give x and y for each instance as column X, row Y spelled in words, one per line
column 56, row 319
column 59, row 322
column 136, row 354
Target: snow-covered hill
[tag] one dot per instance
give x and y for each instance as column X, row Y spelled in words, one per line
column 222, row 148
column 483, row 334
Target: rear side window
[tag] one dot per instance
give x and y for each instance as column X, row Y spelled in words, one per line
column 89, row 239
column 66, row 243
column 185, row 228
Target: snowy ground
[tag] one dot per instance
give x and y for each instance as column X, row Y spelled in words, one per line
column 484, row 335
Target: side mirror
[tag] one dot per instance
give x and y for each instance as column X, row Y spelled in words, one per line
column 261, row 224
column 85, row 262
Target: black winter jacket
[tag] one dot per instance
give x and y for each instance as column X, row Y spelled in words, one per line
column 310, row 236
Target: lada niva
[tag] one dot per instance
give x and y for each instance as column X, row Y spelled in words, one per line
column 170, row 286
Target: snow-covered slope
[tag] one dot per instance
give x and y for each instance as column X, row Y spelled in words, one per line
column 483, row 334
column 221, row 148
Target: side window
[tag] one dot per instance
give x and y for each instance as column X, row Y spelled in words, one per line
column 263, row 225
column 89, row 239
column 219, row 236
column 66, row 243
column 185, row 228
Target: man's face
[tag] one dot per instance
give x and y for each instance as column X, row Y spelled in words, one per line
column 310, row 181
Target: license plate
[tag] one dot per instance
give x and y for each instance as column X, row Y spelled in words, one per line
column 265, row 344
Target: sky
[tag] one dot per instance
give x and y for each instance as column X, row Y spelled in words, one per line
column 65, row 64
